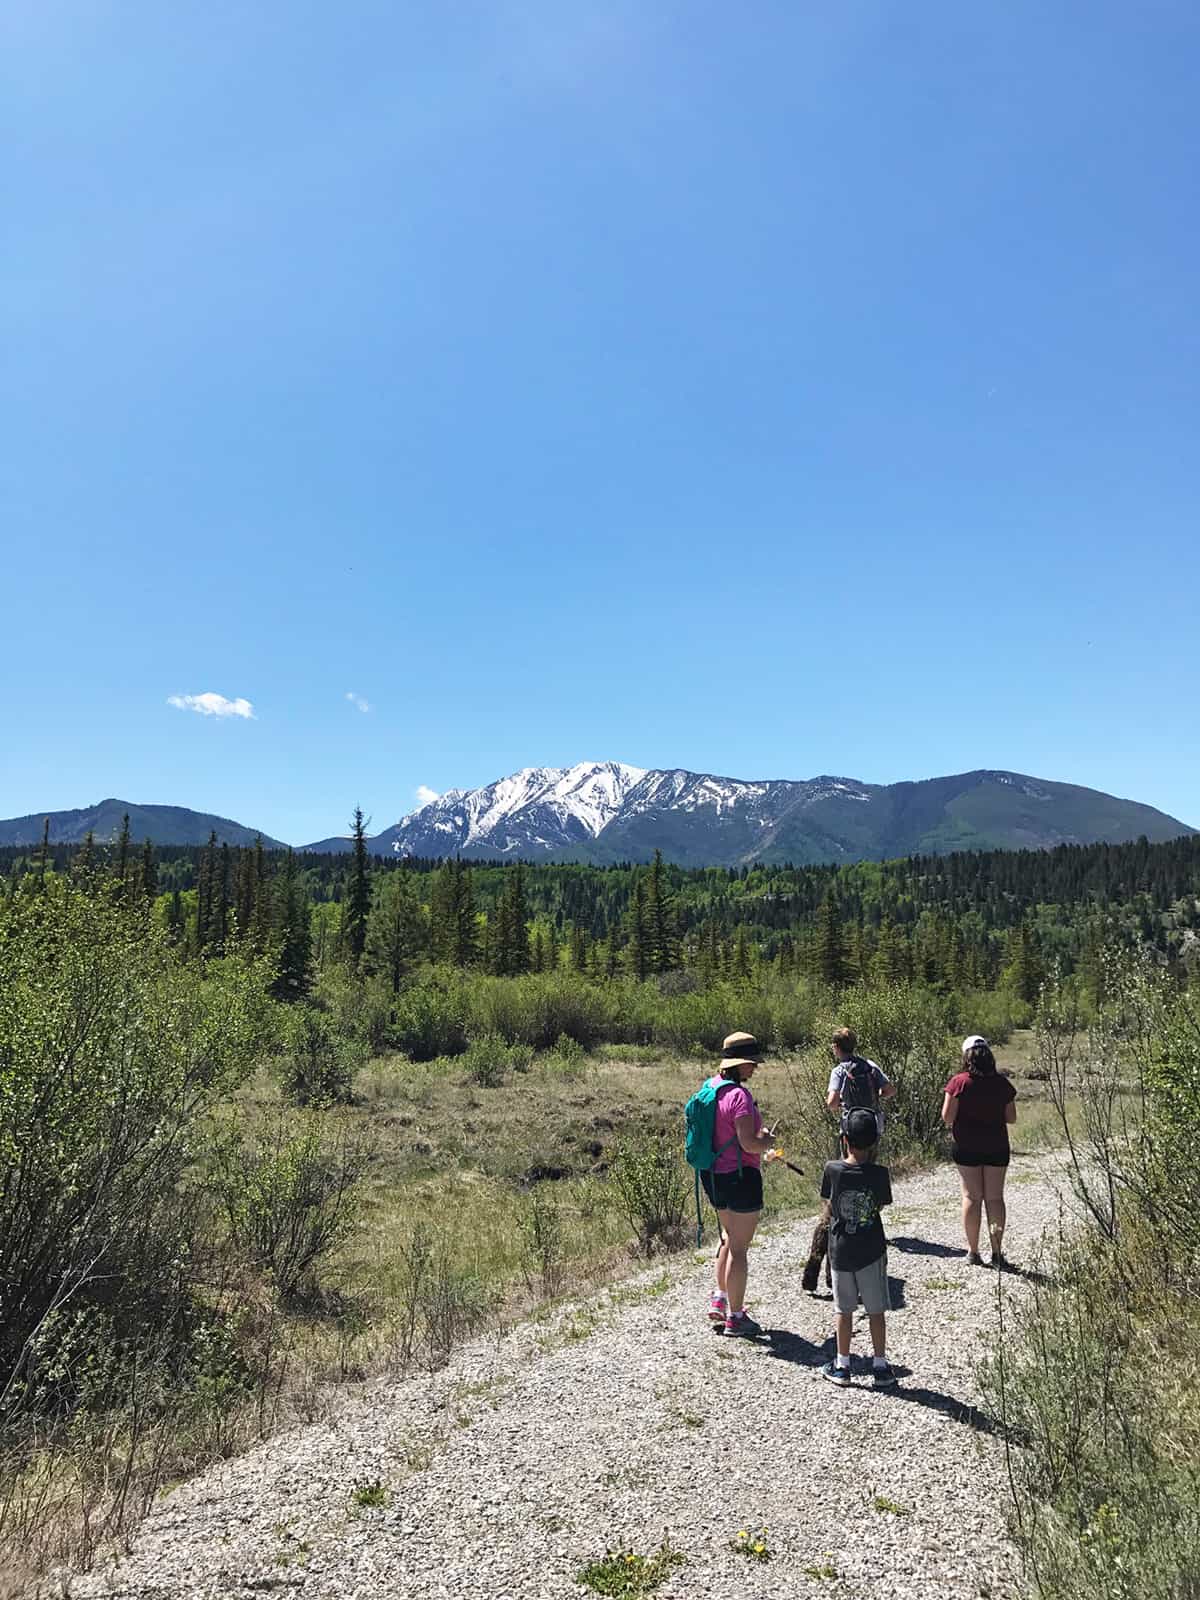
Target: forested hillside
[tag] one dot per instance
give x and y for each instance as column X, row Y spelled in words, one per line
column 971, row 920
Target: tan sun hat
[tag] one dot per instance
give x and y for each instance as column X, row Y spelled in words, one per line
column 740, row 1050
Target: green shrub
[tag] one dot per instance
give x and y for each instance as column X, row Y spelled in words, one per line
column 289, row 1197
column 538, row 1009
column 488, row 1061
column 1096, row 1377
column 699, row 1021
column 430, row 1019
column 904, row 1028
column 319, row 1061
column 652, row 1188
column 111, row 1056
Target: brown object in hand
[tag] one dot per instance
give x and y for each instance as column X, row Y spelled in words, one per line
column 818, row 1252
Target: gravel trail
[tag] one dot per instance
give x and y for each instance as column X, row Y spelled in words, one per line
column 624, row 1419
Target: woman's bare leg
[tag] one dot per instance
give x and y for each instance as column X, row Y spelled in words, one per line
column 993, row 1199
column 972, row 1204
column 738, row 1228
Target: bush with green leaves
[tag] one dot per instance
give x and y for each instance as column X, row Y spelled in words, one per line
column 539, row 1008
column 112, row 1053
column 430, row 1017
column 902, row 1027
column 1096, row 1376
column 289, row 1196
column 320, row 1058
column 652, row 1187
column 489, row 1061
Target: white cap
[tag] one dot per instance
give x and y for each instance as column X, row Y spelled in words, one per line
column 972, row 1040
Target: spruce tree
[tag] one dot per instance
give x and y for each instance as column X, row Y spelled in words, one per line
column 121, row 863
column 85, row 862
column 396, row 933
column 661, row 930
column 293, row 932
column 638, row 947
column 43, row 855
column 149, row 872
column 510, row 955
column 466, row 925
column 358, row 897
column 219, row 917
column 206, row 874
column 176, row 918
column 829, row 953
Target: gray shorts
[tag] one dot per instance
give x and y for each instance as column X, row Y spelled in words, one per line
column 869, row 1284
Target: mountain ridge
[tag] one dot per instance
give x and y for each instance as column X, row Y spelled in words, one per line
column 168, row 825
column 604, row 812
column 601, row 812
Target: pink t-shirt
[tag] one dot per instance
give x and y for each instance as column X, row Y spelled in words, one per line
column 732, row 1103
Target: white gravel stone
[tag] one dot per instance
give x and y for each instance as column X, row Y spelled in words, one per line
column 649, row 1426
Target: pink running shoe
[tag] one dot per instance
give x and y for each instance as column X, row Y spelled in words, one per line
column 718, row 1307
column 741, row 1326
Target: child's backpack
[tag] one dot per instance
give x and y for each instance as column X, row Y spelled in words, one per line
column 700, row 1147
column 859, row 1089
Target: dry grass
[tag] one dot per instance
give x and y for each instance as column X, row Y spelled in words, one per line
column 473, row 1163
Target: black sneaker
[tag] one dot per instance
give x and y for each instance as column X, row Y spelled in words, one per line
column 974, row 1259
column 1000, row 1260
column 836, row 1374
column 883, row 1377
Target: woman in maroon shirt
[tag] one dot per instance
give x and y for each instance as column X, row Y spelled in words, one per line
column 978, row 1107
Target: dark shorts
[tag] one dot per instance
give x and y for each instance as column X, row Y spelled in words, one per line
column 977, row 1158
column 732, row 1191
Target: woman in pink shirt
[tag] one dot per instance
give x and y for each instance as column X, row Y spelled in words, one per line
column 735, row 1183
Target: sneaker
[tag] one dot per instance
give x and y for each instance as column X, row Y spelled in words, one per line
column 974, row 1259
column 883, row 1377
column 741, row 1326
column 836, row 1374
column 1000, row 1260
column 718, row 1308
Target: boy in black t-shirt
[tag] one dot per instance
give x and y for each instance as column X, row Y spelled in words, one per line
column 855, row 1191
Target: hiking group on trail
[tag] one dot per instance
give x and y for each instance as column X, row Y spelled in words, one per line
column 726, row 1144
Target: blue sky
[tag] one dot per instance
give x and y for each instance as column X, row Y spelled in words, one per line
column 771, row 392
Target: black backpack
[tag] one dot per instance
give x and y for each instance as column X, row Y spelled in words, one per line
column 859, row 1089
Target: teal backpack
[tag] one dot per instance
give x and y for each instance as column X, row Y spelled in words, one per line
column 700, row 1148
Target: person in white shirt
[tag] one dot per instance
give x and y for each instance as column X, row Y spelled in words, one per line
column 856, row 1083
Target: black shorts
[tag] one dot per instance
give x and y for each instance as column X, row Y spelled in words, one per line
column 976, row 1158
column 733, row 1191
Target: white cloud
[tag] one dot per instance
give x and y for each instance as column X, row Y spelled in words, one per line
column 425, row 795
column 212, row 705
column 359, row 701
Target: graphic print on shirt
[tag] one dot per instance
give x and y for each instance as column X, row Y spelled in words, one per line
column 857, row 1208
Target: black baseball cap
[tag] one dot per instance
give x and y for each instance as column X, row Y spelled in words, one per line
column 862, row 1129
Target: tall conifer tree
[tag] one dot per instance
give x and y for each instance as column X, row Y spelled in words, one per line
column 358, row 898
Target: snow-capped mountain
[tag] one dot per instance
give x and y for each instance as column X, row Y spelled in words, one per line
column 607, row 811
column 533, row 812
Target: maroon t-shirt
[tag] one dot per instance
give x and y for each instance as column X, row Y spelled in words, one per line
column 980, row 1128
